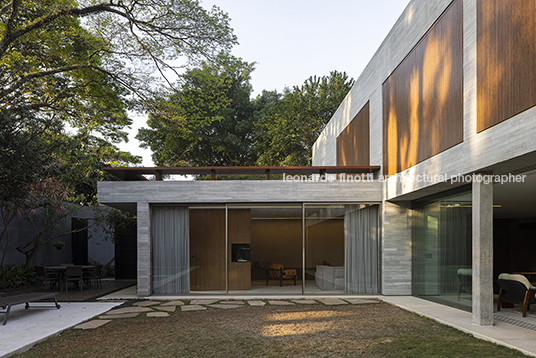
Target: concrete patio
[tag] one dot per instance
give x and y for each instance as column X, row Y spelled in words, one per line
column 42, row 320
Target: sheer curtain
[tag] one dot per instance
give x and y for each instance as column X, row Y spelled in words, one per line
column 170, row 239
column 361, row 249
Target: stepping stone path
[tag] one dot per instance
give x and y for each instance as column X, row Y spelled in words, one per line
column 202, row 302
column 157, row 314
column 305, row 302
column 146, row 303
column 256, row 303
column 232, row 302
column 173, row 303
column 165, row 308
column 280, row 303
column 92, row 324
column 225, row 306
column 129, row 310
column 124, row 315
column 162, row 307
column 192, row 308
column 332, row 301
column 359, row 301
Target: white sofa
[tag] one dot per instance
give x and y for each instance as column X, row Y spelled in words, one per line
column 329, row 278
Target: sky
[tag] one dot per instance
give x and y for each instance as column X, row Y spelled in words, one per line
column 291, row 40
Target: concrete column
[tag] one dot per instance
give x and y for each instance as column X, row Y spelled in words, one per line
column 396, row 250
column 482, row 251
column 144, row 249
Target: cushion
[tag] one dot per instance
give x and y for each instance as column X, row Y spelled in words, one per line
column 518, row 278
column 290, row 273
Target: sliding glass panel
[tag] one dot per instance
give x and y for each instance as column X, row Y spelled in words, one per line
column 442, row 250
column 207, row 250
column 341, row 249
column 265, row 249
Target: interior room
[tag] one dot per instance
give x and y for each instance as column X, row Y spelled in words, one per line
column 272, row 250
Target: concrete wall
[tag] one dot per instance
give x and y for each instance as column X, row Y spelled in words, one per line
column 231, row 191
column 487, row 150
column 396, row 250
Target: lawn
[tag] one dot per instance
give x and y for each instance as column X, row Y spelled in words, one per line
column 368, row 330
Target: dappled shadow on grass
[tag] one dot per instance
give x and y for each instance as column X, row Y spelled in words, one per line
column 369, row 330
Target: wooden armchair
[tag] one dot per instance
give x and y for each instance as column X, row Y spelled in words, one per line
column 516, row 289
column 277, row 272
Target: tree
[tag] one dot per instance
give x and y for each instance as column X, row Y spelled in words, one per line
column 84, row 63
column 208, row 121
column 286, row 129
column 56, row 55
column 71, row 184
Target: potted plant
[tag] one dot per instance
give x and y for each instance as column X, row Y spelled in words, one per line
column 58, row 244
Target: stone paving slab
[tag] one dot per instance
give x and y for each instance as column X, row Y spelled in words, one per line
column 281, row 303
column 305, row 302
column 256, row 303
column 332, row 301
column 359, row 301
column 157, row 314
column 146, row 303
column 93, row 324
column 123, row 315
column 192, row 308
column 173, row 303
column 129, row 310
column 165, row 308
column 233, row 302
column 224, row 306
column 203, row 302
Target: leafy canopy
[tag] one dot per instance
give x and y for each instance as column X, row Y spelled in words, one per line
column 207, row 121
column 288, row 125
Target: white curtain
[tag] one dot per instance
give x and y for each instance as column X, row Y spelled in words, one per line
column 171, row 258
column 361, row 249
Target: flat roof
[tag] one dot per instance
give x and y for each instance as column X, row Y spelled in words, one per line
column 137, row 173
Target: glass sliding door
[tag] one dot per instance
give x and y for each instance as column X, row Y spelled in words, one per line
column 265, row 249
column 442, row 250
column 341, row 249
column 283, row 249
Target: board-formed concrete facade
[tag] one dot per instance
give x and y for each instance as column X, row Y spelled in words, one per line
column 502, row 148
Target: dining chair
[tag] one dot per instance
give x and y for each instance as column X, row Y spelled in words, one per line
column 93, row 274
column 45, row 276
column 74, row 274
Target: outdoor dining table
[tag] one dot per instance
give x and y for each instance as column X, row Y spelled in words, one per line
column 63, row 269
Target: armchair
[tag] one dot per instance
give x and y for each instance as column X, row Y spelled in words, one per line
column 516, row 289
column 277, row 272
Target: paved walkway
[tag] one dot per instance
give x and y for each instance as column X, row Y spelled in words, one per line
column 25, row 328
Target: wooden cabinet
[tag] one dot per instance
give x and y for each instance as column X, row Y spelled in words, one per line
column 207, row 249
column 239, row 233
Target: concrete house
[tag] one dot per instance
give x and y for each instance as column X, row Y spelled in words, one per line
column 423, row 182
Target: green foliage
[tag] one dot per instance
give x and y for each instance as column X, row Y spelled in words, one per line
column 26, row 144
column 208, row 121
column 13, row 276
column 286, row 128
